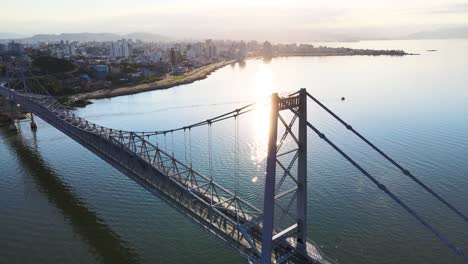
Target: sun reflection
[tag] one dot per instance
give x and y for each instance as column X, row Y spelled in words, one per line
column 263, row 88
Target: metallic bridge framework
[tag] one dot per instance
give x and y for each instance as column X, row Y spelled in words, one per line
column 258, row 235
column 223, row 213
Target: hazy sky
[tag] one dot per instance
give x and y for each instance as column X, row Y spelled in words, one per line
column 232, row 19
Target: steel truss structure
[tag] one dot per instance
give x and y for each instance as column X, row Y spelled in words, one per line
column 218, row 210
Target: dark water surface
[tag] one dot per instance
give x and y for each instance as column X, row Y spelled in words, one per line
column 59, row 203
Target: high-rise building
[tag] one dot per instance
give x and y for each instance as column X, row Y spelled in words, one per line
column 15, row 48
column 3, row 48
column 120, row 49
column 125, row 49
column 267, row 49
column 212, row 51
column 242, row 50
column 114, row 50
column 156, row 56
column 173, row 57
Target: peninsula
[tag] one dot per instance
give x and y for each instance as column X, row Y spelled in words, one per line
column 77, row 71
column 167, row 82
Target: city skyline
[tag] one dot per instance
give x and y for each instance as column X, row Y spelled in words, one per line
column 276, row 20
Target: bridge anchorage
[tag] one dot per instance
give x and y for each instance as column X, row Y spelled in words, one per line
column 276, row 234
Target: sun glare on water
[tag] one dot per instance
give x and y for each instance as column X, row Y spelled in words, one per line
column 260, row 122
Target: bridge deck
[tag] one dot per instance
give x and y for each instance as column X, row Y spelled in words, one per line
column 207, row 203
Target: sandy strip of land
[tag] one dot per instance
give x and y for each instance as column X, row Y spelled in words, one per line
column 168, row 82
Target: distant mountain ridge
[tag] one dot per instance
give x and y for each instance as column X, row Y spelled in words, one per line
column 86, row 37
column 317, row 35
column 443, row 33
column 9, row 35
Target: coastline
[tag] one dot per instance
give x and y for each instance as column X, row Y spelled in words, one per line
column 83, row 99
column 168, row 82
column 340, row 55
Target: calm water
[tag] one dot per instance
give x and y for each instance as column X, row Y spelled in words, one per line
column 59, row 203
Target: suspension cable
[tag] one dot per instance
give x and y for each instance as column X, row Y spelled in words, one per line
column 172, row 143
column 240, row 111
column 210, row 154
column 185, row 146
column 165, row 143
column 382, row 187
column 210, row 162
column 190, row 145
column 58, row 107
column 403, row 170
column 236, row 166
column 236, row 156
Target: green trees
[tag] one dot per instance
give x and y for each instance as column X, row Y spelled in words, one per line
column 56, row 70
column 51, row 65
column 56, row 87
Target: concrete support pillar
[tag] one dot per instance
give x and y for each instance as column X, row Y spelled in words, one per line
column 13, row 113
column 33, row 124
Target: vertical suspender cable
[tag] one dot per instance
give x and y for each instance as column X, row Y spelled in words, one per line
column 185, row 146
column 236, row 150
column 190, row 146
column 210, row 162
column 209, row 152
column 165, row 143
column 172, row 143
column 237, row 155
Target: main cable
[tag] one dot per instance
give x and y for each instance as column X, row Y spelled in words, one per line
column 382, row 187
column 403, row 170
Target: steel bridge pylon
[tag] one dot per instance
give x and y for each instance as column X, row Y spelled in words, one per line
column 286, row 183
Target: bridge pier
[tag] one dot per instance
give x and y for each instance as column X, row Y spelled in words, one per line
column 33, row 123
column 8, row 113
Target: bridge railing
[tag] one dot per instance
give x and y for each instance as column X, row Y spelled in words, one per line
column 246, row 224
column 244, row 218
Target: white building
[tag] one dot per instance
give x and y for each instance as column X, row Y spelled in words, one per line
column 242, row 50
column 125, row 50
column 156, row 56
column 210, row 49
column 120, row 49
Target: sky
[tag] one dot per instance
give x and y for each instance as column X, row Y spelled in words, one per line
column 241, row 19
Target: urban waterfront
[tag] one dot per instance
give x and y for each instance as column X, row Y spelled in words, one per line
column 414, row 107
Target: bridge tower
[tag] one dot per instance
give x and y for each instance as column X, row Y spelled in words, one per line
column 286, row 180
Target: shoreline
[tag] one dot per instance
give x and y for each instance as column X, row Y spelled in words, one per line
column 83, row 99
column 166, row 83
column 342, row 55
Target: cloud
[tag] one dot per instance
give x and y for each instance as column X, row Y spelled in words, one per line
column 218, row 20
column 232, row 19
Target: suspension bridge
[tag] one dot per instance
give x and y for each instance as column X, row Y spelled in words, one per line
column 276, row 233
